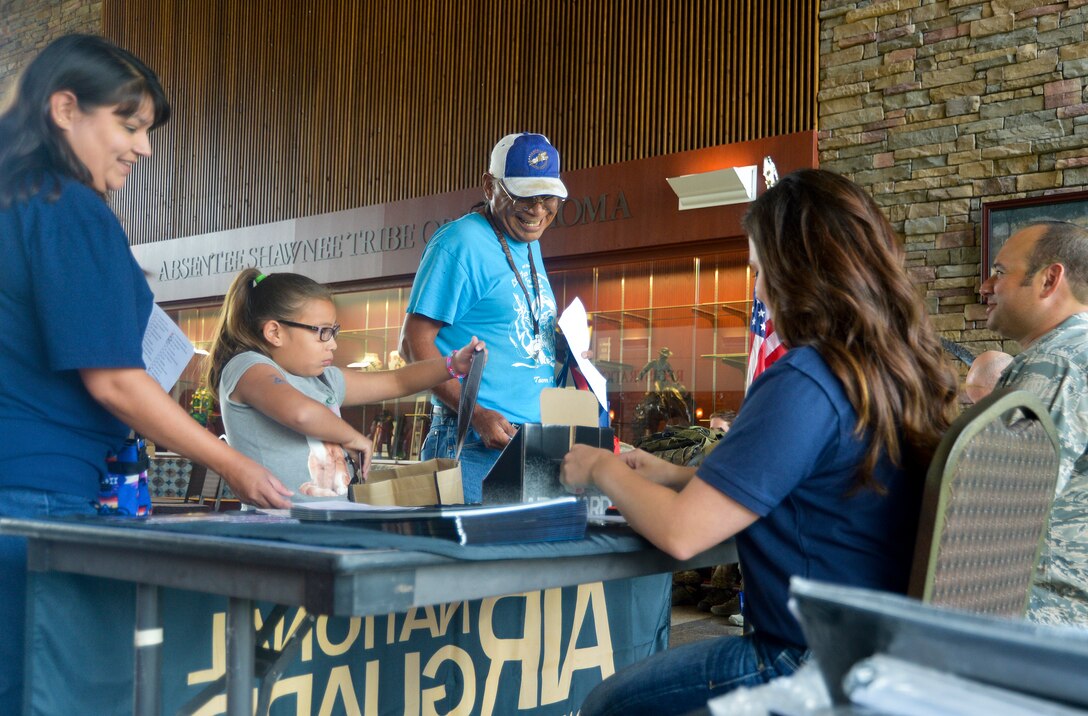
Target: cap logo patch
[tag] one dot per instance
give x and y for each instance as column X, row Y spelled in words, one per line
column 538, row 160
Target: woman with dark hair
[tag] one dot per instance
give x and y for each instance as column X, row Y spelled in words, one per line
column 821, row 474
column 74, row 305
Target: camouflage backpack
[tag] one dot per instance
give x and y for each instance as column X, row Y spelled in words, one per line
column 679, row 445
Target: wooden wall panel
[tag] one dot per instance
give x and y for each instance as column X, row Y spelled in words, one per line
column 288, row 108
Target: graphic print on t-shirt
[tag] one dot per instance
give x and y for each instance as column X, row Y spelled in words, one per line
column 537, row 347
column 329, row 476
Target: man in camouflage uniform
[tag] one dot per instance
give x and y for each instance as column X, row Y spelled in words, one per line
column 1037, row 295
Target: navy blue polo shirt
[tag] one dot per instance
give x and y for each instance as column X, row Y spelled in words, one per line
column 791, row 457
column 71, row 296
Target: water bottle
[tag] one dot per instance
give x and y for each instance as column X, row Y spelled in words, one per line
column 124, row 490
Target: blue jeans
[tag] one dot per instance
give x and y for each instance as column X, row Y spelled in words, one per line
column 476, row 458
column 685, row 678
column 22, row 502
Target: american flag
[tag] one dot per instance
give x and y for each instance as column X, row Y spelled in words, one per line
column 766, row 348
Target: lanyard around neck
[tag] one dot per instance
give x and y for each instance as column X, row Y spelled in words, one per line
column 517, row 274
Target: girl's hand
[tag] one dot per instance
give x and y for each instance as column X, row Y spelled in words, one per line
column 365, row 448
column 462, row 359
column 576, row 471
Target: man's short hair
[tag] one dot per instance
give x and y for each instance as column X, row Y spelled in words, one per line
column 1063, row 243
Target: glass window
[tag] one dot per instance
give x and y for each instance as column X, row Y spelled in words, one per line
column 670, row 335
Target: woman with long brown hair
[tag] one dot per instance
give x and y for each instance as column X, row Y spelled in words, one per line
column 821, row 474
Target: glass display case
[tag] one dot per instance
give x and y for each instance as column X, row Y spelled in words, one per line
column 669, row 334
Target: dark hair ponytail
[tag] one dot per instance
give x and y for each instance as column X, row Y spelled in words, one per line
column 252, row 299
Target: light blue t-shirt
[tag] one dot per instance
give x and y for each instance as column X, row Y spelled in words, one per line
column 466, row 282
column 309, row 467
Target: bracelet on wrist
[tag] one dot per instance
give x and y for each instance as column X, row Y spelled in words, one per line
column 449, row 367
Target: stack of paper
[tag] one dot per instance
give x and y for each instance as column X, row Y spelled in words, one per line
column 563, row 518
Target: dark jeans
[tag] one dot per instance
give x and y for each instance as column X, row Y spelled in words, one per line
column 683, row 679
column 20, row 502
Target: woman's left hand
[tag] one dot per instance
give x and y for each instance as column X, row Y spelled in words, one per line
column 462, row 359
column 576, row 471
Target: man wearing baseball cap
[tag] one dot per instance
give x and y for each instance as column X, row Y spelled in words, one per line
column 483, row 275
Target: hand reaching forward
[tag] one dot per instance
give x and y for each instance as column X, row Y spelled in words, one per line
column 577, row 470
column 462, row 359
column 365, row 449
column 255, row 485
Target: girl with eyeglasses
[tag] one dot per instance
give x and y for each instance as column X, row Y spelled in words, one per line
column 270, row 366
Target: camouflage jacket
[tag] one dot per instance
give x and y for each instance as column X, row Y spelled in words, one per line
column 1055, row 368
column 681, row 445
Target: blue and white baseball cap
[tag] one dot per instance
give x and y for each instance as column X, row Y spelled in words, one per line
column 528, row 165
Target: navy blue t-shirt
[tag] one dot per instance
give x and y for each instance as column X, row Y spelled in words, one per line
column 71, row 296
column 792, row 457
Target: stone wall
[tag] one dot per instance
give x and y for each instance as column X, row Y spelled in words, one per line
column 939, row 106
column 26, row 26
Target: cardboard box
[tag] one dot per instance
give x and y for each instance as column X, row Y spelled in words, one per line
column 431, row 482
column 528, row 468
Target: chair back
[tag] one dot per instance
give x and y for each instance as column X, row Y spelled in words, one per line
column 198, row 473
column 986, row 506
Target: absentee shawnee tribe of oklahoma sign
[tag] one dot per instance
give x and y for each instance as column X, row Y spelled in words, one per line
column 360, row 244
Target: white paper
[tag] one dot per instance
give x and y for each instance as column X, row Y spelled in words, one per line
column 575, row 327
column 344, row 506
column 167, row 349
column 320, row 506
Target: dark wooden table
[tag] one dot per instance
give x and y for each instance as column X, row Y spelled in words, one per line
column 324, row 580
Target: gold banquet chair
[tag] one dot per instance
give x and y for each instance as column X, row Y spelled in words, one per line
column 986, row 506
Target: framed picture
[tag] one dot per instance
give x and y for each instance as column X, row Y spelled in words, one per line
column 1002, row 219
